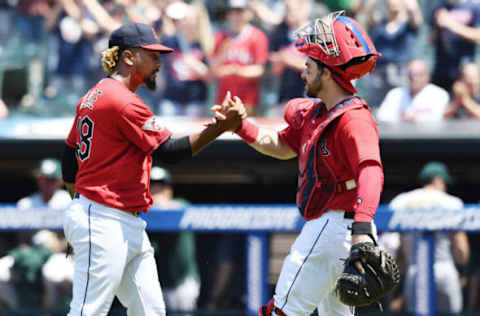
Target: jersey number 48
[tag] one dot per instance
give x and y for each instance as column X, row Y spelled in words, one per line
column 85, row 133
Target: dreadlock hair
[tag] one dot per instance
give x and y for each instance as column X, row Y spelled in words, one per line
column 110, row 58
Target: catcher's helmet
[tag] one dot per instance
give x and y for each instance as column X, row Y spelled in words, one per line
column 341, row 44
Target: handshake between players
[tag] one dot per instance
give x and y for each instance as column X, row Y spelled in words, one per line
column 230, row 113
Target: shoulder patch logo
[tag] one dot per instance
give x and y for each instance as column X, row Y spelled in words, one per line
column 152, row 124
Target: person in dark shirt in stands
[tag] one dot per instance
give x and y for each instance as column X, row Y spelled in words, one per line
column 395, row 37
column 456, row 29
column 287, row 62
column 466, row 94
column 185, row 70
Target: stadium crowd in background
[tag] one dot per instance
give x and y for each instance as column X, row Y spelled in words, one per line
column 51, row 49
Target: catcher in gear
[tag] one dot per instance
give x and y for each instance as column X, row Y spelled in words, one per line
column 340, row 176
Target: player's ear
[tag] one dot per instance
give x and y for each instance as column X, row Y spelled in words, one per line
column 128, row 57
column 326, row 72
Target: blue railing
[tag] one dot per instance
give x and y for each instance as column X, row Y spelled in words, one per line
column 258, row 220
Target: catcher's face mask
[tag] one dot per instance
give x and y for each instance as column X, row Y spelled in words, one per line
column 321, row 33
column 337, row 40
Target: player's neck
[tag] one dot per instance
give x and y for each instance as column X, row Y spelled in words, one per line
column 126, row 79
column 331, row 100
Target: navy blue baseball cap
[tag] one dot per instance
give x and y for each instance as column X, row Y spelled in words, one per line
column 137, row 35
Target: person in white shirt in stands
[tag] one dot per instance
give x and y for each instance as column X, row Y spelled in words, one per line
column 49, row 182
column 420, row 101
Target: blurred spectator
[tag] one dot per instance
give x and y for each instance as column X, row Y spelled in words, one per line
column 21, row 280
column 270, row 12
column 395, row 37
column 352, row 7
column 48, row 176
column 451, row 249
column 421, row 101
column 175, row 252
column 466, row 94
column 27, row 256
column 31, row 18
column 185, row 70
column 239, row 57
column 76, row 30
column 109, row 15
column 57, row 277
column 455, row 31
column 141, row 11
column 287, row 62
column 3, row 110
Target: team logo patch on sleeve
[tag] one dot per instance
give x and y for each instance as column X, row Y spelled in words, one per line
column 153, row 124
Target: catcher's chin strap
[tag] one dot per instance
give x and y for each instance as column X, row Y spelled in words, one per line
column 270, row 309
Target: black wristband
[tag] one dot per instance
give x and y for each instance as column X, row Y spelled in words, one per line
column 362, row 228
column 359, row 228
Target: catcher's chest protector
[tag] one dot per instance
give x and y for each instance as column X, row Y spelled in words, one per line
column 319, row 166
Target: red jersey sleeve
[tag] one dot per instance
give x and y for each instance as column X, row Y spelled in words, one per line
column 72, row 135
column 361, row 142
column 370, row 184
column 142, row 128
column 291, row 137
column 295, row 113
column 260, row 48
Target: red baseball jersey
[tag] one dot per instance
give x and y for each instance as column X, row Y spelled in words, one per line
column 114, row 133
column 250, row 47
column 330, row 145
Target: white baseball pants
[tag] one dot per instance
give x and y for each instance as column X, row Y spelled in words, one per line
column 113, row 256
column 309, row 272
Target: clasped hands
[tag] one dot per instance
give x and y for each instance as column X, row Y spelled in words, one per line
column 229, row 115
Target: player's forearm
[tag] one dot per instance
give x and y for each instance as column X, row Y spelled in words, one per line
column 265, row 140
column 199, row 141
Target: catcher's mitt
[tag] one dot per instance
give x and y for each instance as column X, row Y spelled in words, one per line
column 381, row 276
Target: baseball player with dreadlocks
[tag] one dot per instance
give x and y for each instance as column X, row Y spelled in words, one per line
column 106, row 167
column 340, row 179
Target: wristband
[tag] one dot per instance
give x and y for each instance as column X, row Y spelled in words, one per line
column 360, row 228
column 248, row 131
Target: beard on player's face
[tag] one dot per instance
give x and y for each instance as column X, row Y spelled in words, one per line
column 314, row 86
column 150, row 80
